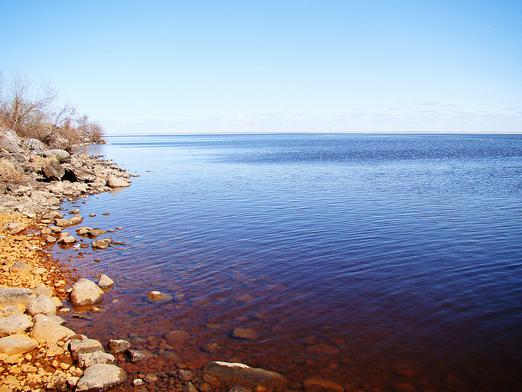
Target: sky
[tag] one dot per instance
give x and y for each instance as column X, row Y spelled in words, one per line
column 272, row 65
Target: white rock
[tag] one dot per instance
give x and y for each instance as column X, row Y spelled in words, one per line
column 99, row 357
column 41, row 304
column 86, row 292
column 102, row 376
column 17, row 323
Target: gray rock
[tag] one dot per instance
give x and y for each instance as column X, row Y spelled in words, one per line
column 17, row 323
column 85, row 292
column 41, row 305
column 15, row 296
column 99, row 357
column 101, row 377
column 117, row 346
column 232, row 374
column 9, row 141
column 17, row 344
column 61, row 155
column 34, row 144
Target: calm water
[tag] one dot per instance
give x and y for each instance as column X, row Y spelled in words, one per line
column 379, row 261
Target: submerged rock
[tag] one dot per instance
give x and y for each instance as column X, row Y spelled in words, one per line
column 101, row 244
column 322, row 385
column 101, row 377
column 244, row 333
column 159, row 296
column 232, row 374
column 105, row 282
column 85, row 292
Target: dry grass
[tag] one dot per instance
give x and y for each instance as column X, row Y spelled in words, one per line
column 9, row 173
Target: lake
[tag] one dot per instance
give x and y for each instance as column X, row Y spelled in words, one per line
column 379, row 261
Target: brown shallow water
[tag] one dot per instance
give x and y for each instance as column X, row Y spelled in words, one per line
column 380, row 263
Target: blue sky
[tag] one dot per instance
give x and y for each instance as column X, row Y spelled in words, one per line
column 254, row 66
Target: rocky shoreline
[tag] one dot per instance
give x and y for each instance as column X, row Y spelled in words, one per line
column 37, row 352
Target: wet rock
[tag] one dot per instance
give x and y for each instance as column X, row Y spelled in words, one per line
column 17, row 344
column 83, row 231
column 84, row 346
column 117, row 346
column 105, row 282
column 232, row 374
column 17, row 323
column 75, row 220
column 66, row 239
column 323, row 349
column 158, row 296
column 41, row 304
column 101, row 377
column 117, row 182
column 211, row 347
column 135, row 355
column 101, row 244
column 85, row 292
column 244, row 333
column 322, row 385
column 189, row 387
column 99, row 357
column 177, row 338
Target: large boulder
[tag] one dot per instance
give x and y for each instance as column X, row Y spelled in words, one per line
column 9, row 141
column 15, row 296
column 34, row 144
column 75, row 173
column 47, row 330
column 227, row 374
column 17, row 323
column 17, row 344
column 42, row 304
column 117, row 182
column 61, row 155
column 101, row 377
column 85, row 292
column 53, row 171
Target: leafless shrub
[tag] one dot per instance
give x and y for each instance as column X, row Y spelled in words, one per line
column 36, row 116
